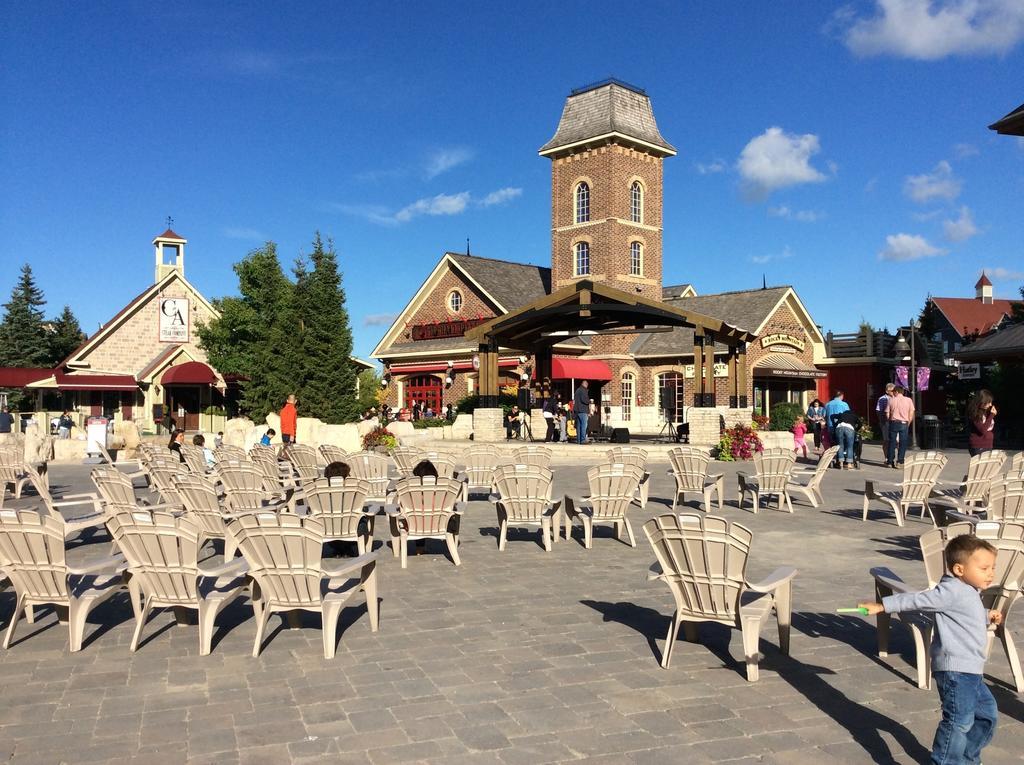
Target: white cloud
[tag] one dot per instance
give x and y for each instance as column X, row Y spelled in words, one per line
column 900, row 247
column 964, row 150
column 715, row 166
column 762, row 259
column 938, row 184
column 245, row 234
column 1001, row 274
column 443, row 160
column 804, row 216
column 379, row 319
column 776, row 159
column 961, row 229
column 932, row 29
column 500, row 196
column 442, row 204
column 373, row 213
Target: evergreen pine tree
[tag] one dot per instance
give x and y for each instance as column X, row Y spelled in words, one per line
column 329, row 391
column 65, row 337
column 24, row 341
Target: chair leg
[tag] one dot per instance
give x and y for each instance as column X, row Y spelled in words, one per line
column 140, row 622
column 78, row 612
column 18, row 608
column 545, row 532
column 629, row 531
column 229, row 548
column 757, row 501
column 784, row 614
column 720, row 488
column 502, row 533
column 403, row 551
column 921, row 650
column 207, row 622
column 1011, row 656
column 865, row 508
column 670, row 640
column 750, row 629
column 262, row 617
column 588, row 532
column 453, row 547
column 372, row 606
column 789, row 501
column 329, row 617
column 883, row 626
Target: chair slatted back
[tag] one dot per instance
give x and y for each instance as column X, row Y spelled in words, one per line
column 1006, row 500
column 199, row 496
column 332, row 453
column 613, row 488
column 704, row 559
column 532, row 455
column 690, row 466
column 283, row 553
column 774, row 468
column 427, row 503
column 406, row 458
column 305, row 461
column 821, row 469
column 629, row 455
column 525, row 491
column 32, row 554
column 1017, row 466
column 266, row 461
column 162, row 552
column 229, row 452
column 114, row 487
column 373, row 468
column 982, row 470
column 162, row 475
column 1008, row 539
column 481, row 462
column 443, row 461
column 194, row 458
column 920, row 473
column 245, row 486
column 338, row 503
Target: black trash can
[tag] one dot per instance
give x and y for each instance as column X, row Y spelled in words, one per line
column 930, row 430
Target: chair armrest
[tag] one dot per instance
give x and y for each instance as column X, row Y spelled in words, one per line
column 80, row 497
column 655, row 572
column 780, row 576
column 115, row 564
column 392, row 510
column 955, row 516
column 715, row 476
column 872, row 487
column 458, row 508
column 236, row 567
column 338, row 567
column 889, row 580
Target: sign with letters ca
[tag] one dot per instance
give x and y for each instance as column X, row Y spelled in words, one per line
column 174, row 320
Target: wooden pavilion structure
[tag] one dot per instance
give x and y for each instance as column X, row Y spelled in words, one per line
column 591, row 308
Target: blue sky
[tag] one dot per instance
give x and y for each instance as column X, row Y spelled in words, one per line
column 840, row 149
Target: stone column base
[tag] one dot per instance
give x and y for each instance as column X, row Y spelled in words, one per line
column 488, row 426
column 705, row 425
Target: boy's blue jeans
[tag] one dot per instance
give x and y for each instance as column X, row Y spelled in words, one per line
column 969, row 717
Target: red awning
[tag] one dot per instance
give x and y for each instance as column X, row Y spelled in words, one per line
column 19, row 377
column 96, row 382
column 580, row 369
column 189, row 373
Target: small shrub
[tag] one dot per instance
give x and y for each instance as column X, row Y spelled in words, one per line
column 740, row 442
column 216, row 411
column 433, row 422
column 760, row 421
column 784, row 415
column 469, row 403
column 379, row 437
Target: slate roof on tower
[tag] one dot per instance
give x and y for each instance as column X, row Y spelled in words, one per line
column 605, row 109
column 983, row 281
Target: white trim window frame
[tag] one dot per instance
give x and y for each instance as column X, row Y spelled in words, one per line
column 455, row 301
column 628, row 394
column 636, row 258
column 582, row 202
column 581, row 259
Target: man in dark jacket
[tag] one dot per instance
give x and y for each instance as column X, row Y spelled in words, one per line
column 581, row 408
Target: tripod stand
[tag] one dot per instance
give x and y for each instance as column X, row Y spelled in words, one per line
column 526, row 432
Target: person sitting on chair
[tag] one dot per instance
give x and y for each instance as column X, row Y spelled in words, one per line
column 512, row 423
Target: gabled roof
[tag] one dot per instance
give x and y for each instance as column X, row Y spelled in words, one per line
column 125, row 312
column 1011, row 124
column 969, row 315
column 747, row 309
column 168, row 234
column 608, row 110
column 677, row 290
column 511, row 284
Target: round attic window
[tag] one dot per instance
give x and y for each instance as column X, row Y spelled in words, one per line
column 455, row 301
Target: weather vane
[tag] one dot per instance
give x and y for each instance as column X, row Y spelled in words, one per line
column 170, row 221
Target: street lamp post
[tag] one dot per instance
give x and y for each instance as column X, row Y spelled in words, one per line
column 901, row 347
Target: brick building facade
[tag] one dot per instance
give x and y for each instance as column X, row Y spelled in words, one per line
column 606, row 227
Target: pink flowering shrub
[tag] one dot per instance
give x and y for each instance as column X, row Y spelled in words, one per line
column 740, row 442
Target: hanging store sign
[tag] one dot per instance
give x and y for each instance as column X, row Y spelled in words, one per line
column 781, row 338
column 174, row 320
column 442, row 329
column 970, row 371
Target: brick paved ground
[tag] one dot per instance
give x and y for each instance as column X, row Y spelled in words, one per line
column 516, row 657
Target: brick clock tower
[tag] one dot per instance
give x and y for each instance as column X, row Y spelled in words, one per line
column 606, row 195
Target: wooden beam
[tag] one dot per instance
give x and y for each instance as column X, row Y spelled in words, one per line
column 741, row 376
column 709, row 370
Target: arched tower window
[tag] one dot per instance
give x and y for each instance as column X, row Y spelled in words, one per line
column 636, row 202
column 581, row 261
column 628, row 395
column 636, row 259
column 582, row 202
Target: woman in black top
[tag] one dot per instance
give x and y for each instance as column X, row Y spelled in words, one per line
column 177, row 439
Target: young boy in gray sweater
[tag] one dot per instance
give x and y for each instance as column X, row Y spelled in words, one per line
column 958, row 650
